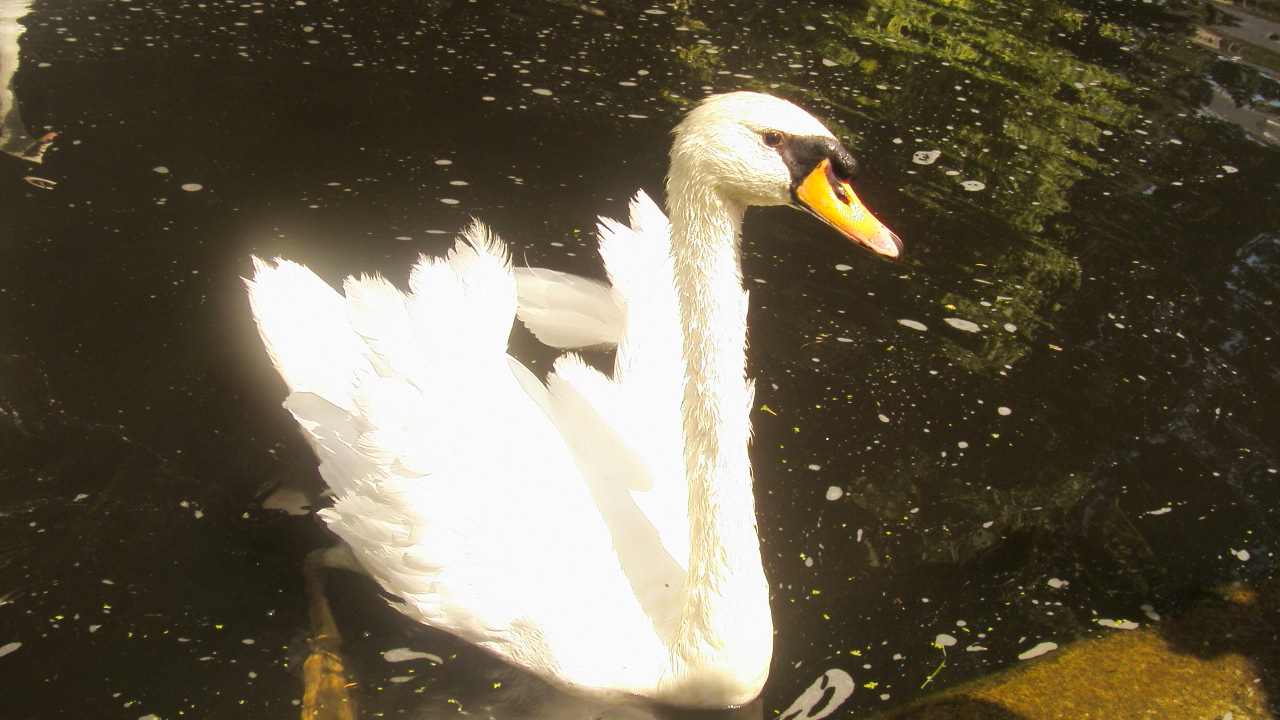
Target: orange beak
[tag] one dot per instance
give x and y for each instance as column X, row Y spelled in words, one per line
column 833, row 200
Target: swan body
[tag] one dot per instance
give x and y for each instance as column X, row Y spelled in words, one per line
column 596, row 530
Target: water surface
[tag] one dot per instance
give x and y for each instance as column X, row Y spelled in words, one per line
column 1059, row 408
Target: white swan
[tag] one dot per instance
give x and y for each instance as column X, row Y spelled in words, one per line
column 598, row 531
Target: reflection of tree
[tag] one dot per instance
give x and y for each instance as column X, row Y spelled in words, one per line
column 1080, row 119
column 1008, row 103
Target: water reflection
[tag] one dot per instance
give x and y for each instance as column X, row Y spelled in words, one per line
column 13, row 135
column 1119, row 261
column 1246, row 89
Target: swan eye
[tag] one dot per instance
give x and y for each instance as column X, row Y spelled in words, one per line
column 772, row 139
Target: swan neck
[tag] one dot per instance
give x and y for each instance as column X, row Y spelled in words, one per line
column 725, row 628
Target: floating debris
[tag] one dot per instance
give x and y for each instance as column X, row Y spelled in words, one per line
column 8, row 648
column 41, row 183
column 973, row 185
column 1119, row 624
column 964, row 325
column 1161, row 511
column 192, row 187
column 914, row 324
column 1041, row 649
column 834, row 493
column 944, row 640
column 405, row 654
column 823, row 697
column 926, row 157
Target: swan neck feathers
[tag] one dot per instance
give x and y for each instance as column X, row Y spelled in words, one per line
column 719, row 166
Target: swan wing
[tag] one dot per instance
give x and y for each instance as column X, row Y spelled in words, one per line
column 453, row 487
column 568, row 311
column 641, row 404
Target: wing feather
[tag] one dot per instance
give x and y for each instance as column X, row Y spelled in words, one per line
column 452, row 485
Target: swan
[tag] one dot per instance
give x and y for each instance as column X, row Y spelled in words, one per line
column 598, row 531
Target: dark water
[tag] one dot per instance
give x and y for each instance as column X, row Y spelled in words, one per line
column 1094, row 192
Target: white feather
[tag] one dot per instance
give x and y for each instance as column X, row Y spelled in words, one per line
column 568, row 311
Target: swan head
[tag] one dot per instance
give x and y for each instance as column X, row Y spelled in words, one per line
column 755, row 149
